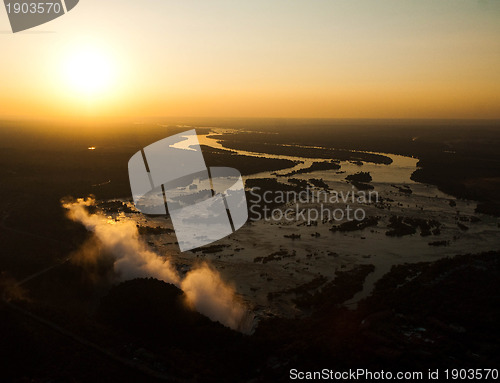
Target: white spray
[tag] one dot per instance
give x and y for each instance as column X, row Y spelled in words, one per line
column 204, row 289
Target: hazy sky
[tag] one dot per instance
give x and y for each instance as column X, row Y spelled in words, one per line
column 258, row 58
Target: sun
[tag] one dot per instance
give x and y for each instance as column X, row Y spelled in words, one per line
column 89, row 71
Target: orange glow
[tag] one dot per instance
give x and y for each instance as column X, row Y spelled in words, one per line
column 298, row 59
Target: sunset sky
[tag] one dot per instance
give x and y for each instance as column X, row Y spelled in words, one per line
column 259, row 58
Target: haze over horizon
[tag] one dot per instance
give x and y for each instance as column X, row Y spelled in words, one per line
column 315, row 59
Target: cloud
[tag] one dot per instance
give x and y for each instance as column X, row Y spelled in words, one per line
column 206, row 292
column 204, row 289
